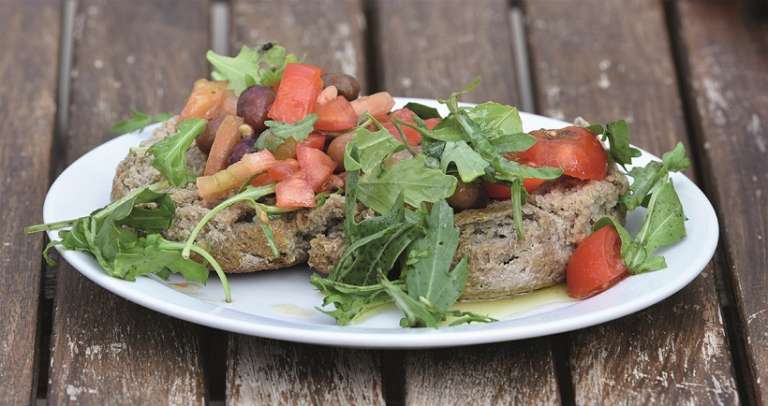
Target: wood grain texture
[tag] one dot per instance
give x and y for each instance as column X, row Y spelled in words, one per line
column 140, row 55
column 28, row 67
column 727, row 79
column 327, row 33
column 266, row 372
column 429, row 49
column 607, row 61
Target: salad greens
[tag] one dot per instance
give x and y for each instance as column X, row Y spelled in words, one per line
column 170, row 153
column 279, row 132
column 372, row 148
column 617, row 135
column 262, row 66
column 424, row 112
column 646, row 179
column 124, row 239
column 425, row 287
column 137, row 122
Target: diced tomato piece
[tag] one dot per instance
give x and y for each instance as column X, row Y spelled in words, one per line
column 316, row 165
column 263, row 179
column 500, row 191
column 296, row 93
column 403, row 116
column 315, row 140
column 335, row 115
column 596, row 264
column 573, row 149
column 205, row 101
column 377, row 105
column 283, row 169
column 294, row 192
column 431, row 123
column 532, row 184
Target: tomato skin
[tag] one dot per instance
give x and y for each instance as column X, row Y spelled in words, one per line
column 296, row 93
column 431, row 123
column 294, row 192
column 500, row 191
column 336, row 115
column 573, row 149
column 314, row 140
column 596, row 264
column 316, row 166
column 281, row 170
column 406, row 116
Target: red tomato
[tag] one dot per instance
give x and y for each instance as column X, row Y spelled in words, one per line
column 500, row 191
column 315, row 140
column 294, row 192
column 405, row 116
column 296, row 93
column 282, row 170
column 316, row 165
column 336, row 115
column 431, row 123
column 596, row 264
column 261, row 180
column 573, row 149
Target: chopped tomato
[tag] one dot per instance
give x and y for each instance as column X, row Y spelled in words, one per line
column 281, row 170
column 316, row 165
column 296, row 93
column 431, row 123
column 500, row 191
column 261, row 180
column 205, row 101
column 315, row 140
column 596, row 264
column 227, row 136
column 294, row 192
column 404, row 116
column 335, row 115
column 573, row 149
column 377, row 105
column 220, row 184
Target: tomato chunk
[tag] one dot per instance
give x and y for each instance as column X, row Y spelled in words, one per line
column 281, row 170
column 205, row 101
column 315, row 140
column 316, row 165
column 596, row 264
column 296, row 93
column 500, row 191
column 294, row 192
column 405, row 116
column 431, row 123
column 573, row 149
column 335, row 115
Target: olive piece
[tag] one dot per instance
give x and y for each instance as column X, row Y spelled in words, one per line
column 205, row 140
column 346, row 84
column 468, row 196
column 253, row 106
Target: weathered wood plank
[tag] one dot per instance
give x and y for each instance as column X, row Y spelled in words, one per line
column 429, row 49
column 127, row 55
column 606, row 61
column 329, row 34
column 266, row 372
column 727, row 80
column 28, row 68
column 326, row 33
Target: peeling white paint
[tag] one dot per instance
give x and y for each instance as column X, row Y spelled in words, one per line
column 717, row 102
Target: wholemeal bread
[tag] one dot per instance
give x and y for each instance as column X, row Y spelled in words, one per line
column 556, row 218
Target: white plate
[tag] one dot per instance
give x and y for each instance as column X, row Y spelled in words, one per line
column 281, row 304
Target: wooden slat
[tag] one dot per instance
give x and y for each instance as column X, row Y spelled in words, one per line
column 727, row 76
column 140, row 55
column 429, row 49
column 606, row 61
column 329, row 34
column 266, row 372
column 28, row 68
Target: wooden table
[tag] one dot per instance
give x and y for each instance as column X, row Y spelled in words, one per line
column 688, row 70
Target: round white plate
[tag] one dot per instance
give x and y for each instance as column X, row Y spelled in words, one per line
column 282, row 304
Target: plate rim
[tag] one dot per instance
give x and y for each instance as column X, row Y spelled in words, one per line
column 366, row 337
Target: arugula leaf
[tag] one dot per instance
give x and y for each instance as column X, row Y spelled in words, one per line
column 417, row 314
column 349, row 301
column 412, row 178
column 429, row 276
column 664, row 225
column 137, row 122
column 646, row 179
column 513, row 142
column 468, row 162
column 170, row 153
column 617, row 134
column 156, row 217
column 424, row 112
column 150, row 256
column 279, row 132
column 252, row 66
column 496, row 117
column 372, row 149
